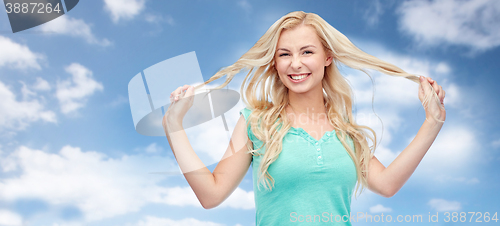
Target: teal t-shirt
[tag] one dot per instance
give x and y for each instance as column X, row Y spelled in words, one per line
column 314, row 181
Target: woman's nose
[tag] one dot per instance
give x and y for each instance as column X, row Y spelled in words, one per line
column 296, row 62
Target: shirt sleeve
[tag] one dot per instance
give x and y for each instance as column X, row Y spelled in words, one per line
column 246, row 114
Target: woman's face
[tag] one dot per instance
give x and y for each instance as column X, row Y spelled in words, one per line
column 301, row 59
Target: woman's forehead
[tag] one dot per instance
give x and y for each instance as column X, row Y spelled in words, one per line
column 298, row 37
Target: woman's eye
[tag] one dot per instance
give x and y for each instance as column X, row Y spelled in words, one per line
column 283, row 54
column 308, row 52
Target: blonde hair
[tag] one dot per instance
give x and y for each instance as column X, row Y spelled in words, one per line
column 268, row 118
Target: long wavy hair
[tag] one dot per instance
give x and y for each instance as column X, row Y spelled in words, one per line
column 264, row 93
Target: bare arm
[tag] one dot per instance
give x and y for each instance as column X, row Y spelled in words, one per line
column 211, row 189
column 387, row 181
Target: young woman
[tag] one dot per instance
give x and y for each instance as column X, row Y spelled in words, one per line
column 298, row 131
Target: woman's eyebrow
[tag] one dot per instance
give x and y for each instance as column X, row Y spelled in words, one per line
column 304, row 47
column 307, row 46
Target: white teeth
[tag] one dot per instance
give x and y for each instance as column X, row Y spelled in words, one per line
column 298, row 77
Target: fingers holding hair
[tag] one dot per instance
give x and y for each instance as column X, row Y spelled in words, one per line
column 180, row 92
column 439, row 90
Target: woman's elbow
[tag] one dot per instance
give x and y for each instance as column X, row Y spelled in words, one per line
column 388, row 192
column 209, row 203
column 208, row 206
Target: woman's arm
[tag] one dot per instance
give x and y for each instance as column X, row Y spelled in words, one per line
column 211, row 189
column 388, row 181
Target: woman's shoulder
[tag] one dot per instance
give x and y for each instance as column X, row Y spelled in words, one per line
column 246, row 112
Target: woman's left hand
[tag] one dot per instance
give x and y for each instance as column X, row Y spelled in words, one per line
column 434, row 109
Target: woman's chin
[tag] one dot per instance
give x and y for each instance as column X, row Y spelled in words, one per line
column 298, row 90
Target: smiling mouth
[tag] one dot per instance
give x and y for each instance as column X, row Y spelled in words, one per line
column 298, row 77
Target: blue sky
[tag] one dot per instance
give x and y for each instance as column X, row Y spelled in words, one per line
column 69, row 153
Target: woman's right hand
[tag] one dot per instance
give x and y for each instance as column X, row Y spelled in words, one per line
column 181, row 101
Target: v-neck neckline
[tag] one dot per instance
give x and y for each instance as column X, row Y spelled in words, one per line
column 312, row 139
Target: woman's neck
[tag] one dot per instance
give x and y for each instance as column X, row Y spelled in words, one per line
column 307, row 106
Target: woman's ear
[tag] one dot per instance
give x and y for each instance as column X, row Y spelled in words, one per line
column 329, row 59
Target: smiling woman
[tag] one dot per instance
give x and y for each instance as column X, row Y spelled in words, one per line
column 300, row 55
column 298, row 131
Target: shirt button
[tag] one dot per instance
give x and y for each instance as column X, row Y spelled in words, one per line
column 318, row 149
column 319, row 157
column 316, row 143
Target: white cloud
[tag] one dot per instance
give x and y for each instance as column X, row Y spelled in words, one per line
column 181, row 196
column 184, row 196
column 41, row 85
column 156, row 221
column 373, row 13
column 385, row 155
column 442, row 205
column 152, row 18
column 158, row 22
column 471, row 23
column 73, row 93
column 454, row 96
column 123, row 9
column 153, row 148
column 98, row 186
column 26, row 92
column 454, row 151
column 18, row 56
column 245, row 5
column 119, row 100
column 66, row 25
column 18, row 115
column 10, row 218
column 365, row 201
column 380, row 209
column 240, row 199
column 443, row 68
column 210, row 140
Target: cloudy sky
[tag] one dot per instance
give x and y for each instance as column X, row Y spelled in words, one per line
column 70, row 155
